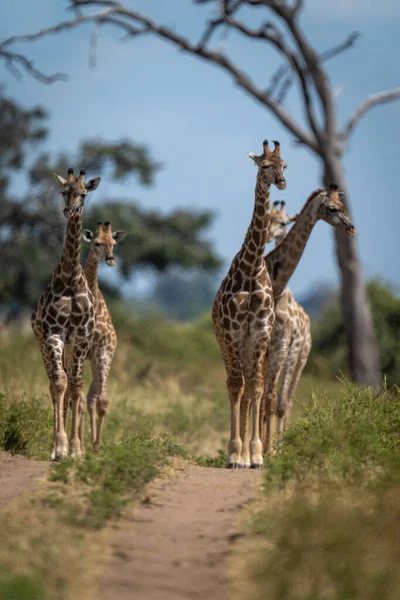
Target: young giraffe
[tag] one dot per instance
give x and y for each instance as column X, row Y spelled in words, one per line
column 282, row 261
column 65, row 315
column 243, row 317
column 105, row 338
column 290, row 342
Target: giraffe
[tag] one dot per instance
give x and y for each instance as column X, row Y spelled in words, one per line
column 281, row 263
column 104, row 341
column 290, row 342
column 243, row 317
column 65, row 315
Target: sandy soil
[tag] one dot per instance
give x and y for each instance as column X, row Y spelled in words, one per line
column 176, row 544
column 17, row 474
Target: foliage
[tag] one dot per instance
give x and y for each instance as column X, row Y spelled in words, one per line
column 32, row 226
column 342, row 545
column 331, row 532
column 113, row 477
column 25, row 426
column 328, row 351
column 343, row 437
column 20, row 129
column 19, row 587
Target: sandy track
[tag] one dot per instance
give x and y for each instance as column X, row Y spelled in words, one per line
column 175, row 546
column 18, row 474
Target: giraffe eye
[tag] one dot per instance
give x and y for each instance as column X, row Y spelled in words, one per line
column 285, row 167
column 266, row 166
column 83, row 196
column 332, row 209
column 97, row 244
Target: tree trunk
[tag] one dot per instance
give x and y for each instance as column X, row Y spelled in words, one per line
column 363, row 354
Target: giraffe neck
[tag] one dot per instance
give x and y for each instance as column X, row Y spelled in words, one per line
column 70, row 261
column 92, row 271
column 283, row 260
column 251, row 255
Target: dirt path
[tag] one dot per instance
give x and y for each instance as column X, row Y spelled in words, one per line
column 17, row 474
column 175, row 546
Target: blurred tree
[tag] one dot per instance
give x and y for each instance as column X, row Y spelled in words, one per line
column 329, row 338
column 32, row 226
column 184, row 296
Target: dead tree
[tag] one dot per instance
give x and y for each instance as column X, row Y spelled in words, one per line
column 302, row 66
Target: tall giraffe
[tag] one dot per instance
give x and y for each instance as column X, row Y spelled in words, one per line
column 65, row 316
column 281, row 263
column 243, row 317
column 105, row 338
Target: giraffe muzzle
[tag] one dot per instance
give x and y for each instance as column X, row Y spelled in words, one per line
column 110, row 260
column 281, row 184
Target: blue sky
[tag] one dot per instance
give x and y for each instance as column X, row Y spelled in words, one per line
column 201, row 126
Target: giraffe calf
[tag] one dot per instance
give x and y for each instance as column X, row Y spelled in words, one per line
column 104, row 343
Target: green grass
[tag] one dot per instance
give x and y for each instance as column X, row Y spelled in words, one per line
column 113, row 477
column 19, row 587
column 344, row 437
column 330, row 532
column 25, row 426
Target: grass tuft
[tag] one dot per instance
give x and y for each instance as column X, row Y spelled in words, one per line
column 19, row 587
column 25, row 426
column 114, row 476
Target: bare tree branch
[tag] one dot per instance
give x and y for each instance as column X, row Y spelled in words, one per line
column 271, row 34
column 115, row 9
column 374, row 100
column 13, row 59
column 324, row 56
column 56, row 28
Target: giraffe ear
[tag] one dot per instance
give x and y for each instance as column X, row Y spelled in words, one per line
column 119, row 235
column 253, row 156
column 60, row 180
column 93, row 184
column 87, row 235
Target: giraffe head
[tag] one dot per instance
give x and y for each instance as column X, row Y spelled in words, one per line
column 104, row 240
column 270, row 165
column 332, row 210
column 277, row 228
column 74, row 191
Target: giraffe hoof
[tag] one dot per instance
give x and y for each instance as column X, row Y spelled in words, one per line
column 256, row 466
column 235, row 465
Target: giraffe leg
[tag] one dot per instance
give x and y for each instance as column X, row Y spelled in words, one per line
column 91, row 404
column 67, row 363
column 235, row 384
column 293, row 375
column 277, row 353
column 103, row 365
column 75, row 377
column 254, row 354
column 51, row 350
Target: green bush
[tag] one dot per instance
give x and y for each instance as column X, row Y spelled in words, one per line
column 328, row 354
column 26, row 427
column 341, row 437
